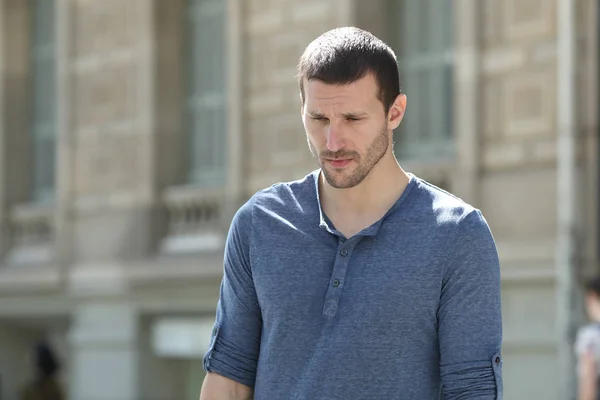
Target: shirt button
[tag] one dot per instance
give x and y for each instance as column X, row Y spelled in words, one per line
column 344, row 252
column 336, row 283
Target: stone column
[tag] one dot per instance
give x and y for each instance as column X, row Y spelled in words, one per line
column 465, row 182
column 111, row 133
column 14, row 64
column 235, row 117
column 63, row 227
column 104, row 352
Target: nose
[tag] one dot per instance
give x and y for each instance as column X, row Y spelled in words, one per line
column 335, row 137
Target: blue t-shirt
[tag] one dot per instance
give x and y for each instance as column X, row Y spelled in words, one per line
column 408, row 308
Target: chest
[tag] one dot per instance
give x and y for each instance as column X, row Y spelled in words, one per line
column 370, row 280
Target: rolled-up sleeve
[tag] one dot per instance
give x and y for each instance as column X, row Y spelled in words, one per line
column 469, row 315
column 235, row 341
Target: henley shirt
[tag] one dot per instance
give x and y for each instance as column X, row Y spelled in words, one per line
column 408, row 308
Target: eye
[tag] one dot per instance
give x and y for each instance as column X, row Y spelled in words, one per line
column 322, row 119
column 353, row 119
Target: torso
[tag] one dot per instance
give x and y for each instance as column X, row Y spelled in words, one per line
column 348, row 318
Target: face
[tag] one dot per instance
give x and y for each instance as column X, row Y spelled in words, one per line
column 593, row 306
column 347, row 128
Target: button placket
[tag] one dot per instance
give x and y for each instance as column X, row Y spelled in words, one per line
column 338, row 275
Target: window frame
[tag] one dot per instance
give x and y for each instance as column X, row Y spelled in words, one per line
column 45, row 128
column 213, row 100
column 433, row 57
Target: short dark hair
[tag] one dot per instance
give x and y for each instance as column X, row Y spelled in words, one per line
column 345, row 55
column 592, row 285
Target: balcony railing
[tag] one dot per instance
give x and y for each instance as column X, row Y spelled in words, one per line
column 31, row 234
column 194, row 218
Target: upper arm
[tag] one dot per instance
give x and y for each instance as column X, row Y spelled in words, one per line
column 235, row 341
column 469, row 314
column 588, row 340
column 217, row 387
column 587, row 348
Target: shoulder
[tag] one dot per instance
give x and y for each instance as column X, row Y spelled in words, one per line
column 444, row 208
column 588, row 339
column 286, row 192
column 285, row 197
column 460, row 227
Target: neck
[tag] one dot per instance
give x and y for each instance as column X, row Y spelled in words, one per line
column 378, row 191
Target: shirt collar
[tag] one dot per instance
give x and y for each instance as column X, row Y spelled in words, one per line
column 325, row 222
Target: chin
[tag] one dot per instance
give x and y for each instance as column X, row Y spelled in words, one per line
column 340, row 180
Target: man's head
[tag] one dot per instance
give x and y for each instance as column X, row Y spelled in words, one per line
column 351, row 102
column 44, row 360
column 592, row 298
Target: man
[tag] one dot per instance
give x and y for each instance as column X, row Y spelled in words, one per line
column 360, row 281
column 587, row 345
column 45, row 384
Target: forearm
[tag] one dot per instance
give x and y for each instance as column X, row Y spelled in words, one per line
column 474, row 380
column 587, row 396
column 217, row 387
column 587, row 377
column 587, row 392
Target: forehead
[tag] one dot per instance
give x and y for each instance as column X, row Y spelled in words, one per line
column 362, row 94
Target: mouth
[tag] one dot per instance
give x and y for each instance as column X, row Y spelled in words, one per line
column 339, row 163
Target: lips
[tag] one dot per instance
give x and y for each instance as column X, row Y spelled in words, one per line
column 340, row 163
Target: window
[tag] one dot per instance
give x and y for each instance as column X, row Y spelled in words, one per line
column 206, row 92
column 43, row 99
column 421, row 34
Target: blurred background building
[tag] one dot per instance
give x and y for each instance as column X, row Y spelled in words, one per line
column 131, row 130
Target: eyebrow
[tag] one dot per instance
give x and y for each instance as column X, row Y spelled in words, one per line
column 354, row 115
column 314, row 114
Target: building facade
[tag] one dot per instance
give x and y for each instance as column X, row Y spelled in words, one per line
column 132, row 130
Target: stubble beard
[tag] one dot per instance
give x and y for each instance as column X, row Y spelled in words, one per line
column 349, row 179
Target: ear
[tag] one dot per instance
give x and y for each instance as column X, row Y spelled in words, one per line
column 396, row 112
